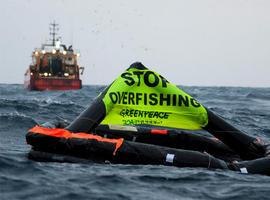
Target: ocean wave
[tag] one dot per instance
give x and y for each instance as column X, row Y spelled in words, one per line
column 259, row 95
column 10, row 121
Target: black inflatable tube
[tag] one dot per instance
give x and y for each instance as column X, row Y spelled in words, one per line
column 178, row 139
column 245, row 145
column 82, row 150
column 128, row 153
column 257, row 166
column 89, row 118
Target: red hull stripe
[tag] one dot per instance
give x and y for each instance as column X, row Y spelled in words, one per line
column 63, row 133
column 160, row 132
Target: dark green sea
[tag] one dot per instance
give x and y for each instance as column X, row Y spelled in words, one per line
column 20, row 178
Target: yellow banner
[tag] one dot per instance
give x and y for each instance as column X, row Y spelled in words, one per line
column 142, row 96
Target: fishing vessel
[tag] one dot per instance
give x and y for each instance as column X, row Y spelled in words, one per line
column 54, row 66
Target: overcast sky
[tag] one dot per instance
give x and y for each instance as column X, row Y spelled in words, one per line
column 190, row 42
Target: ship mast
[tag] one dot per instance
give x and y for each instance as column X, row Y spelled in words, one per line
column 53, row 28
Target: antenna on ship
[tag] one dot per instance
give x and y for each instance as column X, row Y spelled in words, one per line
column 53, row 29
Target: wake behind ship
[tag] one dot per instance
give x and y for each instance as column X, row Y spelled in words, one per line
column 54, row 67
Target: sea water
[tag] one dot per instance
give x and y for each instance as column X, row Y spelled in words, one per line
column 20, row 178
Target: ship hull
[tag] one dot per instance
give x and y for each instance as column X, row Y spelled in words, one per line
column 42, row 84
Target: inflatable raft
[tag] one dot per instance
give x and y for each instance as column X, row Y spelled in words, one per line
column 161, row 126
